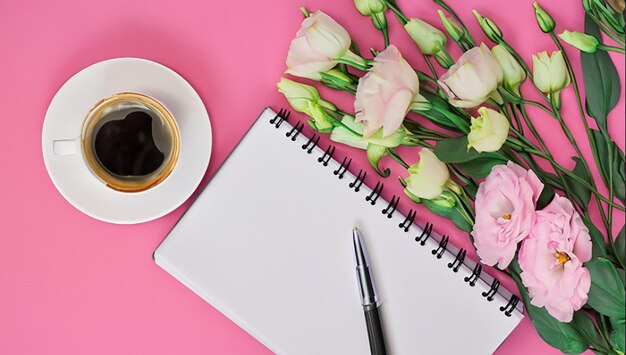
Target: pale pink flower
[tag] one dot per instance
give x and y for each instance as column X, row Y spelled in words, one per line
column 385, row 94
column 318, row 43
column 474, row 78
column 552, row 258
column 505, row 212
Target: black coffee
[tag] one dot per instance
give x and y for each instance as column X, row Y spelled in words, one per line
column 126, row 147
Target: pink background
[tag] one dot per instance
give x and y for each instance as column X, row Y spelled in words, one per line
column 74, row 285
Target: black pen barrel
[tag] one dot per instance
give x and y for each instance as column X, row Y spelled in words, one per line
column 374, row 330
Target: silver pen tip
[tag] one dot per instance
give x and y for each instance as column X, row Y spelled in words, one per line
column 355, row 229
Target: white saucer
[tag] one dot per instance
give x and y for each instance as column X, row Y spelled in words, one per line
column 64, row 121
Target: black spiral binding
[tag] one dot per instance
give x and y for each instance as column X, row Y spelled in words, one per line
column 373, row 196
column 475, row 275
column 311, row 143
column 328, row 155
column 458, row 260
column 441, row 248
column 492, row 290
column 509, row 307
column 281, row 116
column 422, row 238
column 409, row 220
column 391, row 207
column 358, row 181
column 341, row 170
column 295, row 130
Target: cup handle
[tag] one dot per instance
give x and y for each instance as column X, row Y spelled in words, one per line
column 66, row 146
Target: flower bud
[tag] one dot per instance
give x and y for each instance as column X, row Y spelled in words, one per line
column 550, row 72
column 370, row 7
column 545, row 21
column 453, row 29
column 306, row 99
column 428, row 177
column 429, row 39
column 379, row 20
column 514, row 74
column 488, row 132
column 489, row 27
column 582, row 41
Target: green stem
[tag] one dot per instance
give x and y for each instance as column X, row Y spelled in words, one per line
column 385, row 32
column 566, row 187
column 518, row 122
column 537, row 104
column 360, row 66
column 611, row 48
column 435, row 76
column 401, row 17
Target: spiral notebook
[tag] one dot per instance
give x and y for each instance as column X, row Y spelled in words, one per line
column 268, row 243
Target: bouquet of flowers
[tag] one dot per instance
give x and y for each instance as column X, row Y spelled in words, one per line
column 482, row 163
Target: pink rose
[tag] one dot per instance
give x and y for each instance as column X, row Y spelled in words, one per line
column 473, row 78
column 505, row 212
column 552, row 260
column 385, row 94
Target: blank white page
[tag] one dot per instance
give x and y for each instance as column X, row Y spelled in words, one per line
column 268, row 243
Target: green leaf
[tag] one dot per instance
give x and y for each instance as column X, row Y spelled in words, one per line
column 471, row 190
column 598, row 245
column 581, row 193
column 602, row 85
column 481, row 167
column 454, row 150
column 606, row 294
column 452, row 213
column 620, row 245
column 617, row 337
column 547, row 194
column 374, row 154
column 562, row 336
column 606, row 151
column 586, row 327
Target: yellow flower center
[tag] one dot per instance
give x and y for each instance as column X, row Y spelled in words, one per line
column 507, row 217
column 562, row 257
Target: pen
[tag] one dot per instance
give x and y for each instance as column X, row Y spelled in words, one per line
column 369, row 299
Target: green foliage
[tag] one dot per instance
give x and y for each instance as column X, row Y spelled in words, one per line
column 602, row 86
column 617, row 336
column 476, row 165
column 581, row 193
column 606, row 294
column 610, row 155
column 481, row 167
column 620, row 244
column 598, row 247
column 547, row 194
column 588, row 330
